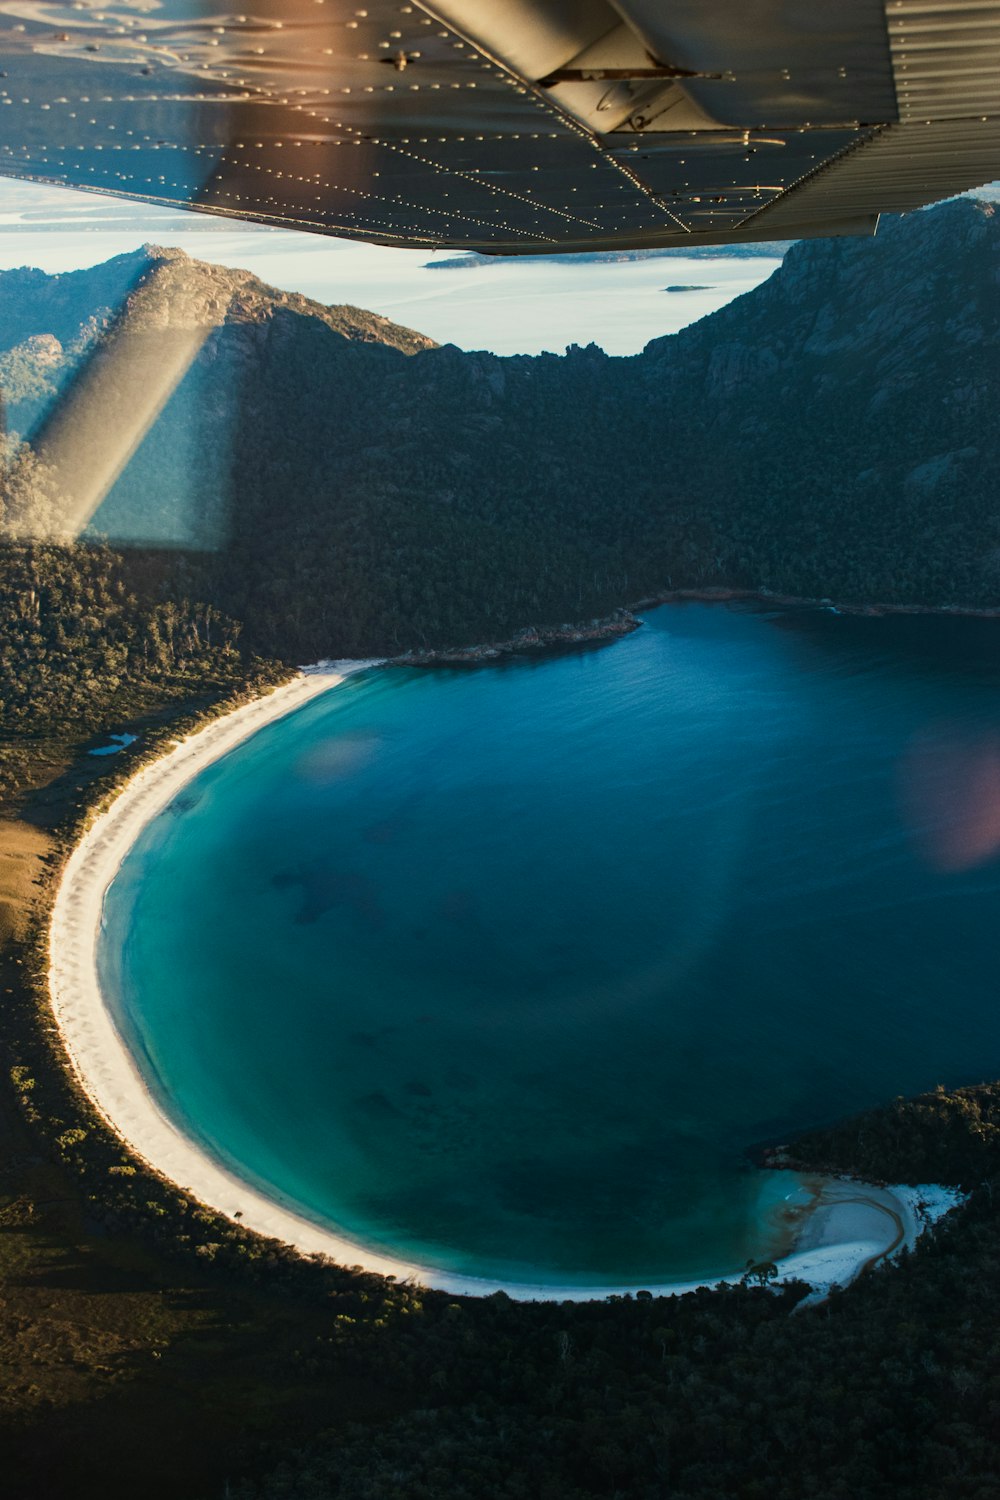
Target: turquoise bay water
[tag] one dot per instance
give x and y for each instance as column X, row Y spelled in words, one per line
column 504, row 970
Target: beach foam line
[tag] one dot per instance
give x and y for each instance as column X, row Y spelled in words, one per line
column 107, row 1071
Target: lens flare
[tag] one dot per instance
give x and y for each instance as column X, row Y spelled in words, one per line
column 950, row 794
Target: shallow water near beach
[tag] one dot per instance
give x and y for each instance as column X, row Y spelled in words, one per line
column 503, row 971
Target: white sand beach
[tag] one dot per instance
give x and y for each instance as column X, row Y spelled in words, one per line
column 852, row 1226
column 100, row 1058
column 847, row 1227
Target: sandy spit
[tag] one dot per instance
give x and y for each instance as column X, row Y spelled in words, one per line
column 847, row 1227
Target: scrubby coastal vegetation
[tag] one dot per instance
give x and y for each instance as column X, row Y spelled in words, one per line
column 828, row 435
column 85, row 651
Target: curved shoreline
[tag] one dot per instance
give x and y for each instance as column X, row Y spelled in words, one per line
column 832, row 1243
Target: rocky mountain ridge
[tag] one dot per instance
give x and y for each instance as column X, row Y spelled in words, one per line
column 150, row 288
column 828, row 434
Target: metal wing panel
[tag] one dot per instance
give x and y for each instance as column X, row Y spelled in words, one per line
column 514, row 126
column 775, row 62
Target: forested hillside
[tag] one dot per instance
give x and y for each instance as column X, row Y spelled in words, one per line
column 340, row 487
column 92, row 637
column 319, row 482
column 839, row 417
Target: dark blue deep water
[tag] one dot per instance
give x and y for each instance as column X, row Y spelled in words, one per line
column 504, row 970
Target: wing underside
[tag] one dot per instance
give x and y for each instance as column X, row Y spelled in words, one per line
column 510, row 126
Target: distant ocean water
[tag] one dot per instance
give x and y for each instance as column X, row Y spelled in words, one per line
column 504, row 970
column 516, row 306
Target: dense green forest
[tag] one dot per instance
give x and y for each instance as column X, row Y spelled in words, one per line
column 341, row 488
column 321, row 482
column 86, row 651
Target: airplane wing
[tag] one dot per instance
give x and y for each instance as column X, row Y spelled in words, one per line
column 510, row 126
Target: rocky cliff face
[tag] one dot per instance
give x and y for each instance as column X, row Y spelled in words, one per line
column 862, row 312
column 171, row 290
column 843, row 411
column 54, row 322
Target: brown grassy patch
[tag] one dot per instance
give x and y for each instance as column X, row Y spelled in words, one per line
column 23, row 848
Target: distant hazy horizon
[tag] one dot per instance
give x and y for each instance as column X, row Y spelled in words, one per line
column 513, row 307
